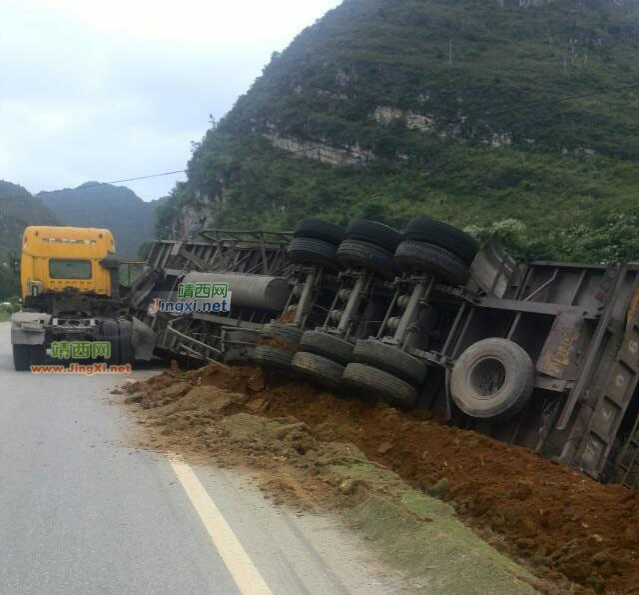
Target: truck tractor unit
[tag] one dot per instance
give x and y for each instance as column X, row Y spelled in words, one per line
column 70, row 293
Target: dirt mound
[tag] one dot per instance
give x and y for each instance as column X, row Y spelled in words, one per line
column 560, row 523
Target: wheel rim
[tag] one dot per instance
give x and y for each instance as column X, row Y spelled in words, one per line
column 487, row 377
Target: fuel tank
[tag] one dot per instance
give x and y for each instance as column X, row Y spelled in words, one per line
column 249, row 291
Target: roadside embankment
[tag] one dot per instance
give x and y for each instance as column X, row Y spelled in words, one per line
column 405, row 480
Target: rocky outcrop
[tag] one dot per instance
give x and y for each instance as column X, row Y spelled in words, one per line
column 352, row 155
column 387, row 115
column 191, row 219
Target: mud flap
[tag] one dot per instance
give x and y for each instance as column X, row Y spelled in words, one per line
column 28, row 328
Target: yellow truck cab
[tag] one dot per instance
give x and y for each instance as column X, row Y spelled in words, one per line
column 70, row 292
column 57, row 259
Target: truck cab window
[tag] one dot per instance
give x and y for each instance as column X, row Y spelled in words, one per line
column 70, row 269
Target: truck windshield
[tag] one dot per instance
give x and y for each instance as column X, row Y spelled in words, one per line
column 70, row 269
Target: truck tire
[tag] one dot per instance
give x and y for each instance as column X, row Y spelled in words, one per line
column 326, row 345
column 111, row 333
column 273, row 357
column 318, row 368
column 21, row 357
column 288, row 332
column 319, row 230
column 312, row 252
column 430, row 259
column 357, row 253
column 125, row 343
column 492, row 380
column 390, row 359
column 375, row 233
column 37, row 355
column 387, row 387
column 431, row 231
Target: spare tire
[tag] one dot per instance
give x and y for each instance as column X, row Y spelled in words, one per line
column 327, row 345
column 319, row 230
column 381, row 384
column 318, row 368
column 432, row 260
column 493, row 379
column 431, row 231
column 310, row 251
column 356, row 253
column 390, row 359
column 375, row 233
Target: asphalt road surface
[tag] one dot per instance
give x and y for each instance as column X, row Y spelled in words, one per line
column 83, row 513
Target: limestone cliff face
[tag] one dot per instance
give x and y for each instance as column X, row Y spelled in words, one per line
column 191, row 219
column 347, row 155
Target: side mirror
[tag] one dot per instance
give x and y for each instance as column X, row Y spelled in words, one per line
column 110, row 262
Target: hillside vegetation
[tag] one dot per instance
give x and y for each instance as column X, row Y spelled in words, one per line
column 519, row 118
column 17, row 210
column 117, row 208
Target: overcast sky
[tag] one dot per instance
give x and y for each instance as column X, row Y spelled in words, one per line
column 112, row 89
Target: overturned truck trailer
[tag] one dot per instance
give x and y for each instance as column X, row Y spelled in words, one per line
column 543, row 355
column 579, row 325
column 260, row 274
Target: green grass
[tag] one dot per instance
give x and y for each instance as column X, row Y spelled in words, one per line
column 423, row 536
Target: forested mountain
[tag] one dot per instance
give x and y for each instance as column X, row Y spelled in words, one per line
column 117, row 208
column 17, row 210
column 519, row 117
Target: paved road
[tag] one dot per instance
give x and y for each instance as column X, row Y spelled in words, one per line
column 81, row 513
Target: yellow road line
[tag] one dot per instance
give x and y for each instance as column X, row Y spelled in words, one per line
column 245, row 574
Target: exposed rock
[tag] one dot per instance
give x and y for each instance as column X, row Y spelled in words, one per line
column 384, row 447
column 352, row 155
column 386, row 115
column 137, row 398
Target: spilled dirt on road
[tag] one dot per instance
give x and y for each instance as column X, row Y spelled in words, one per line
column 315, row 449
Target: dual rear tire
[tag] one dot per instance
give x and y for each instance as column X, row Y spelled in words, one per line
column 367, row 245
column 317, row 368
column 282, row 343
column 385, row 372
column 119, row 333
column 322, row 358
column 370, row 245
column 435, row 248
column 383, row 385
column 315, row 243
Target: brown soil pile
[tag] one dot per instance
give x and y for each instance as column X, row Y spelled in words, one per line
column 556, row 520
